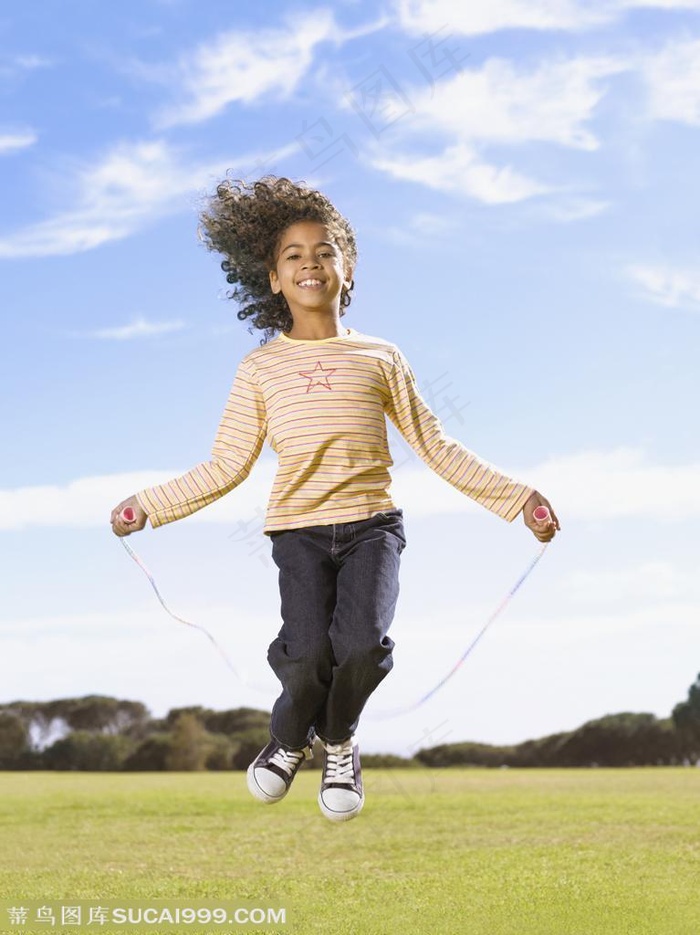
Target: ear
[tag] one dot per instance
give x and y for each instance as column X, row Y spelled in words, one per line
column 275, row 282
column 347, row 278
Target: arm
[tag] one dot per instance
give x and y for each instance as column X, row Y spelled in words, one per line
column 447, row 457
column 237, row 445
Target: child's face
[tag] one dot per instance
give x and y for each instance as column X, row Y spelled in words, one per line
column 310, row 268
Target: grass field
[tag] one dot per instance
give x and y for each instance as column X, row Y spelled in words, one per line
column 503, row 852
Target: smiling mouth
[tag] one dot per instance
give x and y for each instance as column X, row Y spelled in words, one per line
column 310, row 283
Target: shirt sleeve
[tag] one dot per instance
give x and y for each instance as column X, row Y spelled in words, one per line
column 446, row 456
column 237, row 445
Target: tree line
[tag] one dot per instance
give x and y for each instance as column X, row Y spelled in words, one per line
column 99, row 733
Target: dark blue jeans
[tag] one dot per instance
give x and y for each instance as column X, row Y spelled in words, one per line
column 338, row 586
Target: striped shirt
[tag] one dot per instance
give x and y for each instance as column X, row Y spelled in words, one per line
column 321, row 404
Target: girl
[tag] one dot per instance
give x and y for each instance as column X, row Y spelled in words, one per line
column 319, row 392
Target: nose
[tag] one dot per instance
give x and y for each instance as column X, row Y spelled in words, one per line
column 310, row 263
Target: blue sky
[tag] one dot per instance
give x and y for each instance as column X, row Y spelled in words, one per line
column 523, row 180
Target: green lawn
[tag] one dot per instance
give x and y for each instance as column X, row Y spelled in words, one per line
column 503, row 852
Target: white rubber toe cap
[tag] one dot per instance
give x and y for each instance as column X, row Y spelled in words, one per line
column 340, row 804
column 265, row 785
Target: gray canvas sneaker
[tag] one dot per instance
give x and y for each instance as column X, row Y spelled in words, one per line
column 341, row 797
column 271, row 773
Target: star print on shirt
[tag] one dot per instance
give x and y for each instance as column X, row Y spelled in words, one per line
column 318, row 376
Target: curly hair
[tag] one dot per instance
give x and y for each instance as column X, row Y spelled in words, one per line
column 245, row 222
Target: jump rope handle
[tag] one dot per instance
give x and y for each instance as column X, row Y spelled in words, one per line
column 540, row 514
column 129, row 516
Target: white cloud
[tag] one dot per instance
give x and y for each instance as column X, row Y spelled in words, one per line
column 116, row 650
column 660, row 4
column 139, row 328
column 576, row 209
column 12, row 142
column 480, row 17
column 501, row 104
column 460, row 169
column 116, row 196
column 12, row 67
column 672, row 76
column 132, row 185
column 619, row 482
column 246, row 66
column 669, row 286
column 641, row 583
column 429, row 224
column 485, row 16
column 32, row 62
column 89, row 501
column 415, row 229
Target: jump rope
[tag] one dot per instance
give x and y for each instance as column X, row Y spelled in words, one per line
column 541, row 514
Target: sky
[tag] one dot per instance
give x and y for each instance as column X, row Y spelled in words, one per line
column 522, row 178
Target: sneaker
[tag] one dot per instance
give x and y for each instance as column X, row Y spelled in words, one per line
column 341, row 796
column 271, row 773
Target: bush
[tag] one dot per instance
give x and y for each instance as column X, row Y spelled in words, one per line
column 466, row 754
column 151, row 755
column 13, row 741
column 388, row 761
column 221, row 751
column 250, row 743
column 83, row 750
column 188, row 745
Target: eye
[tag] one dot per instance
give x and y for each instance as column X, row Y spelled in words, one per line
column 293, row 256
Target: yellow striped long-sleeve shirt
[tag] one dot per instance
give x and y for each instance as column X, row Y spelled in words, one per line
column 322, row 406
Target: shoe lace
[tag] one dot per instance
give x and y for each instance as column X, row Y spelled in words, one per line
column 340, row 766
column 288, row 760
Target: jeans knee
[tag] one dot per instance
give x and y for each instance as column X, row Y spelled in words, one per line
column 361, row 657
column 303, row 664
